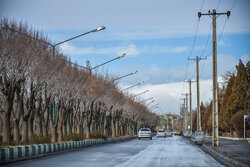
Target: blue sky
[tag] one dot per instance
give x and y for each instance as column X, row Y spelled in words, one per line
column 156, row 35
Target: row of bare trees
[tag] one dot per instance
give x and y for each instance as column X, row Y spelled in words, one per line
column 43, row 94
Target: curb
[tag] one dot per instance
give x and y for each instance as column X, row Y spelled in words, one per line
column 13, row 154
column 225, row 158
column 232, row 138
column 222, row 156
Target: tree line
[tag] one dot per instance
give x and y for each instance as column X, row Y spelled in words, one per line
column 43, row 94
column 234, row 102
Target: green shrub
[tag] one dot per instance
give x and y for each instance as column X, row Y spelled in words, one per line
column 73, row 137
column 77, row 137
column 98, row 135
column 13, row 143
column 36, row 139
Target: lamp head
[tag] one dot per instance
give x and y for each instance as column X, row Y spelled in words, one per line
column 135, row 72
column 99, row 29
column 123, row 55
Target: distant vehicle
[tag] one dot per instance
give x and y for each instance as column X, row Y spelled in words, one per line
column 145, row 133
column 177, row 132
column 169, row 133
column 187, row 134
column 199, row 137
column 160, row 133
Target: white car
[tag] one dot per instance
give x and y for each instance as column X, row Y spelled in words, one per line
column 145, row 133
column 169, row 133
column 199, row 137
column 160, row 133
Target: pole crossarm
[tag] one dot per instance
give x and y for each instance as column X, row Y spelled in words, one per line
column 132, row 73
column 139, row 94
column 123, row 55
column 200, row 58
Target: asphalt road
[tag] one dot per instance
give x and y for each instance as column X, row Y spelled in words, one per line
column 170, row 151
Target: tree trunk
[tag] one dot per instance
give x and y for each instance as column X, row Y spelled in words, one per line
column 6, row 127
column 87, row 130
column 25, row 131
column 60, row 133
column 53, row 133
column 116, row 128
column 38, row 122
column 64, row 128
column 113, row 127
column 31, row 125
column 69, row 126
column 105, row 126
column 16, row 131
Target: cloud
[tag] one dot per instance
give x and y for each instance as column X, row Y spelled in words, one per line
column 168, row 95
column 130, row 50
column 179, row 49
column 160, row 75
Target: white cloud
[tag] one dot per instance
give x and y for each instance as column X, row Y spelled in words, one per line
column 130, row 50
column 179, row 49
column 158, row 75
column 168, row 95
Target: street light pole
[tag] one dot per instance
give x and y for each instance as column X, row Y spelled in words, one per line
column 123, row 55
column 132, row 73
column 139, row 94
column 132, row 86
column 146, row 100
column 155, row 106
column 59, row 43
column 150, row 103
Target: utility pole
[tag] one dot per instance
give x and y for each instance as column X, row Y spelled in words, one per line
column 215, row 85
column 185, row 110
column 198, row 92
column 190, row 103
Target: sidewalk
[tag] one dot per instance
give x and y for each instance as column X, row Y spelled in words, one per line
column 238, row 150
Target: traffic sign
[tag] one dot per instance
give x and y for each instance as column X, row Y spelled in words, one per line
column 245, row 116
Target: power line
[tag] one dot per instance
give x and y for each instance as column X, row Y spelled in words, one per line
column 233, row 4
column 218, row 4
column 196, row 31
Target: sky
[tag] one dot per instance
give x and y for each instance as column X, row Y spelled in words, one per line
column 158, row 37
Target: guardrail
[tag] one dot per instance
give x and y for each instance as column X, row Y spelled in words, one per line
column 12, row 154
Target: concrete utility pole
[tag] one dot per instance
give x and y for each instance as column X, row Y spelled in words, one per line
column 185, row 110
column 190, row 103
column 215, row 85
column 198, row 92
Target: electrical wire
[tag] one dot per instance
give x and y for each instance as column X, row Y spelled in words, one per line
column 233, row 5
column 196, row 32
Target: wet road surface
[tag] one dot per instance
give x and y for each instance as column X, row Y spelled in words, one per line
column 159, row 152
